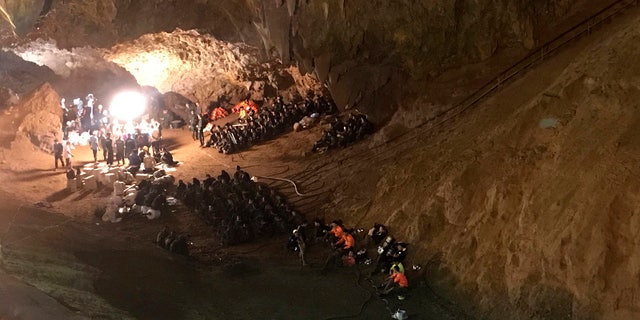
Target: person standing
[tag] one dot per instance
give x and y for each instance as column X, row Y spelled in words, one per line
column 57, row 153
column 203, row 121
column 66, row 154
column 130, row 145
column 102, row 140
column 108, row 146
column 93, row 144
column 156, row 137
column 120, row 150
column 194, row 120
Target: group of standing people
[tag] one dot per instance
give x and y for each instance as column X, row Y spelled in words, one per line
column 62, row 153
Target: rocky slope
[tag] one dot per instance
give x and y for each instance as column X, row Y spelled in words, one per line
column 527, row 204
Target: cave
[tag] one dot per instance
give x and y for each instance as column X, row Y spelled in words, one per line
column 499, row 147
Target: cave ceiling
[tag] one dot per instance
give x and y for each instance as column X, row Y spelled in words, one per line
column 367, row 54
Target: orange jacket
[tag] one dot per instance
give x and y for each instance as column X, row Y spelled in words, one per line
column 337, row 231
column 400, row 279
column 348, row 240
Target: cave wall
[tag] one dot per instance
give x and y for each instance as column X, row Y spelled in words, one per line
column 528, row 204
column 370, row 53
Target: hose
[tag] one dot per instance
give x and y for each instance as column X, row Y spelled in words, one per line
column 363, row 305
column 295, row 187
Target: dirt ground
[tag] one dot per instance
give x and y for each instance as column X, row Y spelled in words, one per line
column 461, row 190
column 81, row 266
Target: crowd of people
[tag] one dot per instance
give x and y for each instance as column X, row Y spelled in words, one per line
column 138, row 143
column 345, row 251
column 260, row 125
column 343, row 133
column 239, row 209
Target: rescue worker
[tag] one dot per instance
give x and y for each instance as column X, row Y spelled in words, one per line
column 336, row 231
column 161, row 236
column 299, row 238
column 57, row 154
column 203, row 121
column 397, row 283
column 347, row 241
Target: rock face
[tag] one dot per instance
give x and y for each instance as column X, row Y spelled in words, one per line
column 205, row 69
column 529, row 210
column 77, row 72
column 365, row 51
column 21, row 76
column 35, row 121
column 529, row 204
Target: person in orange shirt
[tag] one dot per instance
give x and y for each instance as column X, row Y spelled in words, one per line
column 397, row 283
column 347, row 241
column 336, row 230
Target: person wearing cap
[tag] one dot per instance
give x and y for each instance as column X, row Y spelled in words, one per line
column 396, row 282
column 298, row 235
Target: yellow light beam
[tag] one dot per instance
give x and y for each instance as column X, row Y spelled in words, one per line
column 7, row 17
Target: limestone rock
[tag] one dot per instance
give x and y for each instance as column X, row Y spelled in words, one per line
column 38, row 119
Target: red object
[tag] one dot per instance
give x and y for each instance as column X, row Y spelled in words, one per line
column 218, row 113
column 400, row 279
column 246, row 105
column 348, row 261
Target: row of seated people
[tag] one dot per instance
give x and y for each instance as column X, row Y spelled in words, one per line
column 143, row 161
column 263, row 125
column 239, row 209
column 343, row 133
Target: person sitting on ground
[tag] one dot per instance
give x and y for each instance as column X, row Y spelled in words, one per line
column 180, row 245
column 396, row 266
column 342, row 247
column 70, row 174
column 396, row 283
column 181, row 190
column 321, row 229
column 157, row 205
column 167, row 158
column 149, row 164
column 159, row 202
column 377, row 233
column 337, row 231
column 134, row 162
column 169, row 239
column 347, row 241
column 161, row 236
column 241, row 176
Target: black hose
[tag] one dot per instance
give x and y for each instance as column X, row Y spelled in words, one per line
column 363, row 305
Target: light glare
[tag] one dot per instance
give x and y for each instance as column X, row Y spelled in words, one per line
column 127, row 105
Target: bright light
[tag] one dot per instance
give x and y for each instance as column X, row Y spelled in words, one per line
column 128, row 105
column 149, row 68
